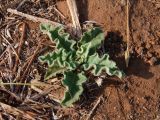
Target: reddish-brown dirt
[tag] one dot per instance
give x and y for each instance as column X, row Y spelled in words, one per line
column 137, row 96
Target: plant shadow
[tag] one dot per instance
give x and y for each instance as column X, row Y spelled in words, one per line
column 115, row 46
column 92, row 91
column 82, row 10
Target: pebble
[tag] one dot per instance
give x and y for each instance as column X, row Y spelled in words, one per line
column 26, row 43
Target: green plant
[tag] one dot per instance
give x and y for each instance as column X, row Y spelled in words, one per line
column 73, row 58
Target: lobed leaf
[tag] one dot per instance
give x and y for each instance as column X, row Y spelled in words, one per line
column 53, row 70
column 73, row 82
column 57, row 34
column 98, row 64
column 58, row 62
column 89, row 43
column 64, row 55
column 50, row 58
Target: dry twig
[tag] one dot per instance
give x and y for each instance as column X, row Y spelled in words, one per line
column 21, row 3
column 10, row 93
column 20, row 45
column 93, row 109
column 74, row 14
column 15, row 111
column 59, row 12
column 11, row 46
column 33, row 18
column 127, row 54
column 43, row 93
column 30, row 62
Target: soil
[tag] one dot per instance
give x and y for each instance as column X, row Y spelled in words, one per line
column 137, row 96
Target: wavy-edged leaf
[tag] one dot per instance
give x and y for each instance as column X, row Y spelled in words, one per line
column 61, row 58
column 73, row 82
column 82, row 53
column 50, row 58
column 98, row 64
column 57, row 34
column 53, row 70
column 90, row 41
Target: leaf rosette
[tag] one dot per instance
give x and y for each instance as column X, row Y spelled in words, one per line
column 73, row 58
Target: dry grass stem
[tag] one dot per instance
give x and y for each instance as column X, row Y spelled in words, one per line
column 93, row 109
column 74, row 14
column 127, row 54
column 15, row 111
column 22, row 39
column 33, row 18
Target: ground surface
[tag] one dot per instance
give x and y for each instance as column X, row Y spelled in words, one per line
column 136, row 97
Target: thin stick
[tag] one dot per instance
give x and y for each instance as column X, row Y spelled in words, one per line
column 30, row 62
column 11, row 46
column 33, row 18
column 20, row 45
column 22, row 79
column 127, row 23
column 59, row 12
column 11, row 94
column 1, row 116
column 24, row 84
column 127, row 54
column 4, row 52
column 21, row 3
column 22, row 37
column 43, row 93
column 74, row 14
column 93, row 109
column 15, row 111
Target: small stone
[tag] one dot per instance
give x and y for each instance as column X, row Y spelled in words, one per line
column 99, row 82
column 26, row 43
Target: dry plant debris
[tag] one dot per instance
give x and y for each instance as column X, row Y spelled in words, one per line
column 74, row 14
column 33, row 18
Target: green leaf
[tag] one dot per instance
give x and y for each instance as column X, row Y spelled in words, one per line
column 73, row 81
column 95, row 35
column 50, row 58
column 61, row 58
column 90, row 41
column 57, row 34
column 82, row 53
column 98, row 64
column 52, row 71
